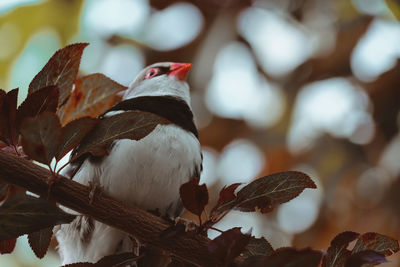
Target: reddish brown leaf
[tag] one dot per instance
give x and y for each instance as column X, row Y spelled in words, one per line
column 41, row 137
column 286, row 257
column 128, row 125
column 338, row 253
column 365, row 258
column 40, row 241
column 194, row 196
column 3, row 190
column 79, row 264
column 25, row 214
column 60, row 70
column 228, row 193
column 73, row 133
column 7, row 246
column 229, row 245
column 8, row 111
column 154, row 257
column 292, row 257
column 259, row 246
column 376, row 242
column 269, row 191
column 116, row 260
column 92, row 96
column 2, row 95
column 13, row 191
column 44, row 99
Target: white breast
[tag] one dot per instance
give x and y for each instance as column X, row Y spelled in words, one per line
column 148, row 172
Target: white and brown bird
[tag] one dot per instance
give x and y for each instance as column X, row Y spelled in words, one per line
column 146, row 173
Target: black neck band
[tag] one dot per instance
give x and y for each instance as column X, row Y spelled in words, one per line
column 172, row 108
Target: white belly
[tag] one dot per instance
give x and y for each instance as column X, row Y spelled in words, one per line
column 148, row 172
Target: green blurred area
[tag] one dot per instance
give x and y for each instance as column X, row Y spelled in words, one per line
column 19, row 25
column 31, row 33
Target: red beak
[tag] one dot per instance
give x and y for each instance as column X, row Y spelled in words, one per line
column 180, row 70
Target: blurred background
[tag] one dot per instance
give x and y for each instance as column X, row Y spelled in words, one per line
column 309, row 85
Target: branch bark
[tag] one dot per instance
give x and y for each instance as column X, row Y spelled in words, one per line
column 145, row 226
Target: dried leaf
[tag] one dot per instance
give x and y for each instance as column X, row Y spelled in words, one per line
column 365, row 258
column 79, row 264
column 3, row 190
column 7, row 246
column 116, row 260
column 286, row 257
column 376, row 242
column 13, row 191
column 92, row 96
column 41, row 137
column 228, row 193
column 73, row 133
column 40, row 241
column 154, row 257
column 338, row 253
column 2, row 96
column 60, row 70
column 258, row 246
column 128, row 125
column 194, row 196
column 44, row 99
column 269, row 191
column 3, row 118
column 25, row 214
column 229, row 244
column 292, row 257
column 8, row 111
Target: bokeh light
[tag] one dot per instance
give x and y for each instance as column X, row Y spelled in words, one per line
column 278, row 42
column 238, row 91
column 9, row 5
column 299, row 214
column 173, row 27
column 35, row 55
column 334, row 106
column 275, row 86
column 108, row 17
column 383, row 36
column 240, row 161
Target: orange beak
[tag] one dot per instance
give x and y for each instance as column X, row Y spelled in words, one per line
column 180, row 70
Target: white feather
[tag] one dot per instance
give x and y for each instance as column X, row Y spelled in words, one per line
column 159, row 86
column 146, row 173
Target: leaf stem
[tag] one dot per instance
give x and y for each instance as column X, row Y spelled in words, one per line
column 215, row 229
column 16, row 150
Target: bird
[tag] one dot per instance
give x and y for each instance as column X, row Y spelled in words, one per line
column 146, row 173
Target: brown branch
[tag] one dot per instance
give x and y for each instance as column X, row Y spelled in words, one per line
column 144, row 226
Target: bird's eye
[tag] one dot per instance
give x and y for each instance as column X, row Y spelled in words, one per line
column 152, row 73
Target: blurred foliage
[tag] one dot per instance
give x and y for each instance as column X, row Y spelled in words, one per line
column 339, row 163
column 61, row 15
column 394, row 6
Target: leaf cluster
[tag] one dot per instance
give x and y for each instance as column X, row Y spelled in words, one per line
column 60, row 114
column 234, row 248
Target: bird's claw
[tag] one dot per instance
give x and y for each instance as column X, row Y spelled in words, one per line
column 189, row 225
column 95, row 188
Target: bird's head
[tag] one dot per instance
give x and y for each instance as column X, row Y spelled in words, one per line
column 164, row 78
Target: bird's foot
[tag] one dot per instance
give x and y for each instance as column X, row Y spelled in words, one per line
column 84, row 225
column 189, row 225
column 179, row 226
column 51, row 180
column 95, row 188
